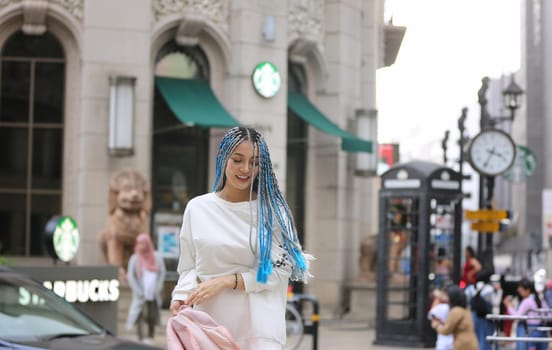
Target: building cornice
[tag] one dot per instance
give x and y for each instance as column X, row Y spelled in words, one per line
column 213, row 11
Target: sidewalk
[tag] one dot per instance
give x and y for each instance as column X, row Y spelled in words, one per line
column 332, row 334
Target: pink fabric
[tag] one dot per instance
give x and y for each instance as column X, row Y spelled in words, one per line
column 146, row 257
column 195, row 330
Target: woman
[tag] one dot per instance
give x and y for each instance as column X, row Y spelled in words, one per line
column 239, row 246
column 146, row 275
column 440, row 310
column 529, row 300
column 471, row 267
column 459, row 321
column 482, row 291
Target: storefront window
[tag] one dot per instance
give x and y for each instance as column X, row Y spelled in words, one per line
column 32, row 87
column 402, row 257
column 180, row 152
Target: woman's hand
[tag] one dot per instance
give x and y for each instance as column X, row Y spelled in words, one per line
column 207, row 290
column 175, row 306
column 435, row 323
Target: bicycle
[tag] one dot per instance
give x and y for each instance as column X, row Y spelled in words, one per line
column 294, row 324
column 294, row 327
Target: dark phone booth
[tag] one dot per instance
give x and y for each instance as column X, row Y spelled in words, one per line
column 419, row 247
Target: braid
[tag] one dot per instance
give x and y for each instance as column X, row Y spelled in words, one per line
column 272, row 207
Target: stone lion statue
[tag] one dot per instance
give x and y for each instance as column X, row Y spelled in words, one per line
column 367, row 259
column 129, row 209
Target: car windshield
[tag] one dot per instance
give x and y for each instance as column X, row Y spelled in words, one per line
column 29, row 311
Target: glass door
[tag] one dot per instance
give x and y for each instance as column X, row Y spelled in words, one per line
column 441, row 233
column 401, row 229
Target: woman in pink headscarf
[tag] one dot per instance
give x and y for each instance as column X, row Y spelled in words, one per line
column 146, row 275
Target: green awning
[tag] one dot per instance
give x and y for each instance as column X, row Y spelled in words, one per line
column 194, row 103
column 309, row 113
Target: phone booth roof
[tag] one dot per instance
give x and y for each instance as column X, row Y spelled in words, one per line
column 421, row 176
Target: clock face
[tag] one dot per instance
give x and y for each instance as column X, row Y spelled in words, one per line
column 492, row 152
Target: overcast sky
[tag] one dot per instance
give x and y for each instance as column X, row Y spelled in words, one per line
column 448, row 47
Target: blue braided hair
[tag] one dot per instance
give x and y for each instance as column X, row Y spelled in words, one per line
column 272, row 207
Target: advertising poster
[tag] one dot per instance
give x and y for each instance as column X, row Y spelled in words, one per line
column 167, row 241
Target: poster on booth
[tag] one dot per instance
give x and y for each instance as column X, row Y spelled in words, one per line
column 167, row 240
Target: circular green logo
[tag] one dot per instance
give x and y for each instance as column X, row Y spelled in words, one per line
column 266, row 79
column 523, row 167
column 66, row 239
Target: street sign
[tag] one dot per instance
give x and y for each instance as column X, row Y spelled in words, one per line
column 524, row 165
column 487, row 214
column 486, row 226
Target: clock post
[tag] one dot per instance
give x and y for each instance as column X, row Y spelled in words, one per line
column 496, row 150
column 483, row 122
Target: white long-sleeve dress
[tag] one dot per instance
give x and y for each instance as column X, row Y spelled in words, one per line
column 218, row 238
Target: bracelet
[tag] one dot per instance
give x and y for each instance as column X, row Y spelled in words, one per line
column 235, row 281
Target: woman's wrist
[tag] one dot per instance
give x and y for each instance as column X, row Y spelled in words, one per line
column 234, row 281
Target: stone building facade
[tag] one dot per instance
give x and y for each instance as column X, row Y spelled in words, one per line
column 58, row 57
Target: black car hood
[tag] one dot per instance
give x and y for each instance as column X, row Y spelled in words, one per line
column 90, row 342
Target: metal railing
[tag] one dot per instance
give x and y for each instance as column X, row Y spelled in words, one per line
column 539, row 314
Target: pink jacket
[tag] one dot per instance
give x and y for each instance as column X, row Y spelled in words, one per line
column 195, row 330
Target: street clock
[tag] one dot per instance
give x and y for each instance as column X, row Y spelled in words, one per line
column 491, row 152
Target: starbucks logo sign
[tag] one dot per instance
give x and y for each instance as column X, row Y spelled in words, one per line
column 62, row 238
column 266, row 79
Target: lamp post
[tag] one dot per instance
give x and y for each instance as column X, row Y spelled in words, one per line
column 462, row 141
column 444, row 146
column 512, row 97
column 512, row 101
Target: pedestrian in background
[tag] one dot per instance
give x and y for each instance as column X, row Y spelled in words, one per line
column 471, row 267
column 459, row 322
column 498, row 294
column 498, row 305
column 529, row 301
column 440, row 310
column 146, row 275
column 483, row 327
column 548, row 293
column 239, row 246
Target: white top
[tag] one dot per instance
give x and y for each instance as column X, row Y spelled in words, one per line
column 215, row 241
column 443, row 341
column 149, row 282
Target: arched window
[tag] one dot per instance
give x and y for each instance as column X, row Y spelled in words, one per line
column 32, row 90
column 180, row 152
